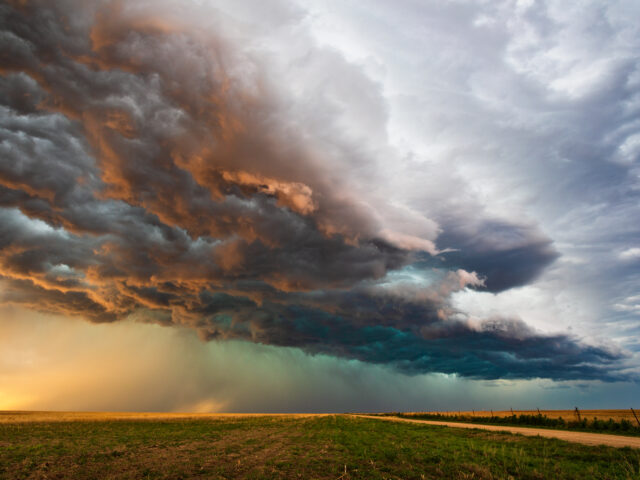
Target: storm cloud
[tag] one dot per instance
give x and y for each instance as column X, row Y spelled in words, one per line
column 159, row 161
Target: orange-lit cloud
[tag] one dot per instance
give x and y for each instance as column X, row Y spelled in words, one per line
column 156, row 168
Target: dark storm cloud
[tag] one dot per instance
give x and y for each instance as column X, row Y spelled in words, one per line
column 506, row 255
column 151, row 167
column 496, row 348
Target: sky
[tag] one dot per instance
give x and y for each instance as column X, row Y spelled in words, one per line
column 290, row 205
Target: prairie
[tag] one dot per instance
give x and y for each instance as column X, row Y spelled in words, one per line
column 81, row 446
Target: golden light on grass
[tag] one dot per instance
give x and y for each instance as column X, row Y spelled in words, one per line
column 22, row 416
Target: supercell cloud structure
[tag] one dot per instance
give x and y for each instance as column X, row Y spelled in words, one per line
column 209, row 166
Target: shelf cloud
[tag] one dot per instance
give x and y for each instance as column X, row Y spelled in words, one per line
column 174, row 164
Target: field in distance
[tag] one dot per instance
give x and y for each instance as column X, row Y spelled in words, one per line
column 171, row 446
column 20, row 416
column 615, row 415
column 34, row 416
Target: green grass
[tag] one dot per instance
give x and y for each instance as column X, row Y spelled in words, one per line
column 332, row 447
column 595, row 425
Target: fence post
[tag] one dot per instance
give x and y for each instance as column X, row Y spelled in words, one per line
column 634, row 414
column 578, row 414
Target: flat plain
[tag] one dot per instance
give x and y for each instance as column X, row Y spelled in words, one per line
column 36, row 445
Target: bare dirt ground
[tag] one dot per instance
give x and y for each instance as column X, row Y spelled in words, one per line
column 577, row 437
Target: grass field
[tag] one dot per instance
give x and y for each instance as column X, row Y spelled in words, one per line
column 84, row 446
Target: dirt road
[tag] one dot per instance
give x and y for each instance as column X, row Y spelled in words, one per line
column 569, row 436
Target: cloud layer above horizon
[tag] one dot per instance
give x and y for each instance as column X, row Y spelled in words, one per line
column 223, row 166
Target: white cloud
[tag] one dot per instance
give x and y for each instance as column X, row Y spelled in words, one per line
column 514, row 109
column 630, row 254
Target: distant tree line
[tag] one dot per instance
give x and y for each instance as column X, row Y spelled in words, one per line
column 594, row 425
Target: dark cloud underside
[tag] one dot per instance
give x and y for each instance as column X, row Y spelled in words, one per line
column 150, row 166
